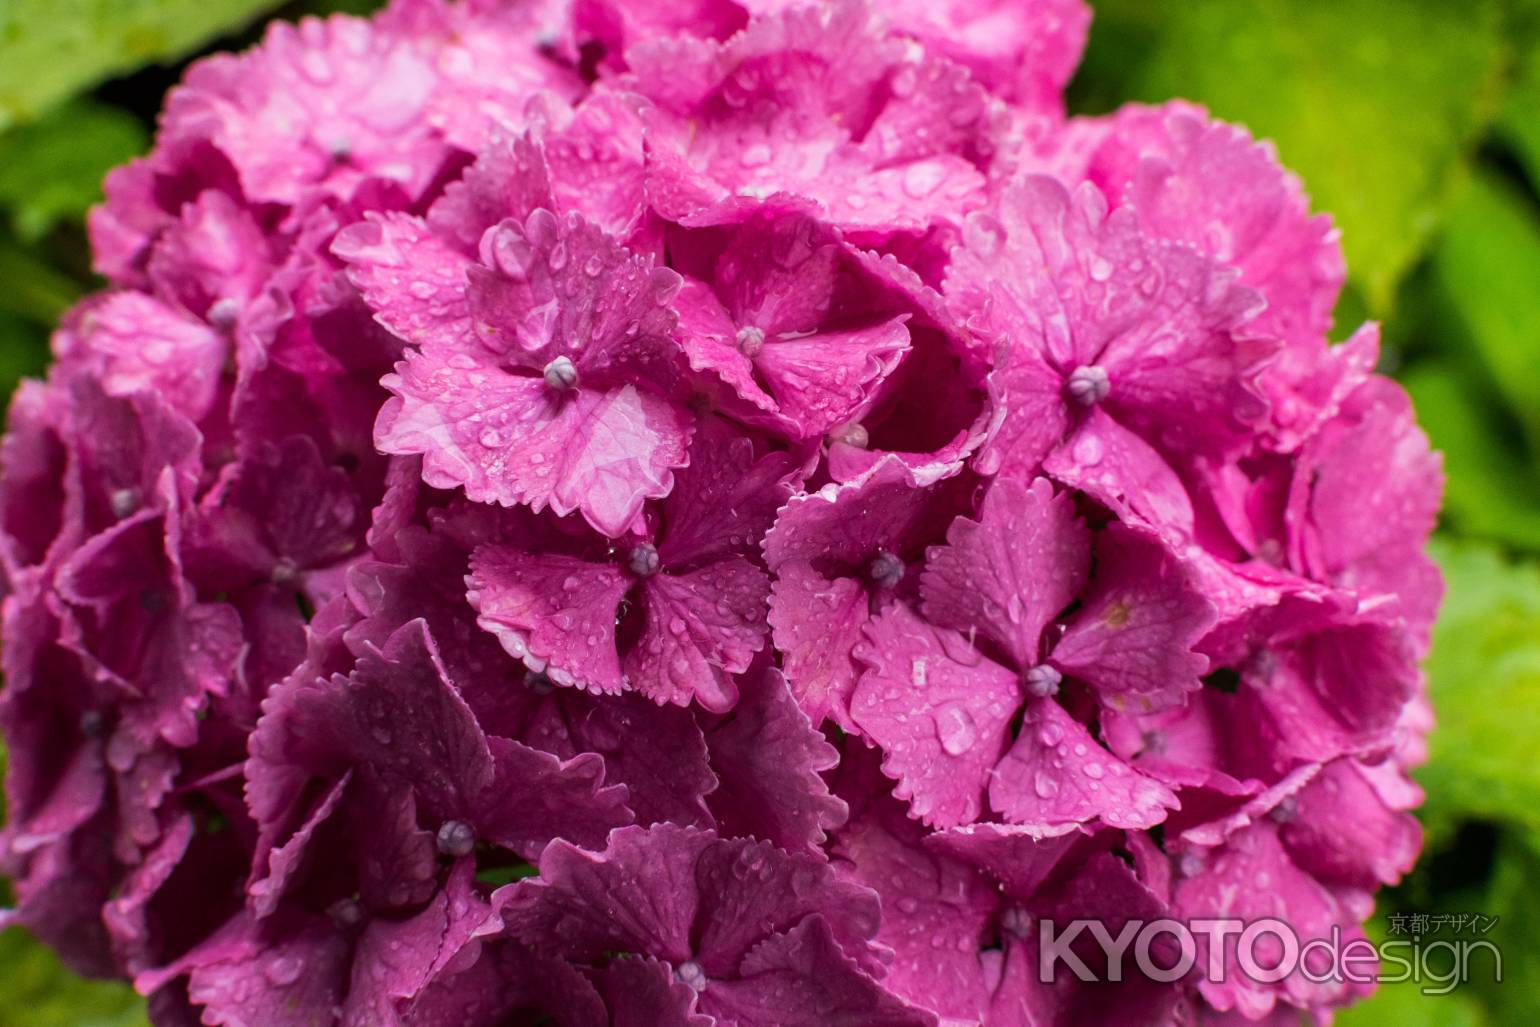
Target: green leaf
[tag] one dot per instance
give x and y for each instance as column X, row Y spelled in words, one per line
column 1491, row 487
column 1375, row 104
column 1405, row 1005
column 51, row 170
column 1484, row 272
column 33, row 289
column 1516, row 999
column 23, row 353
column 53, row 49
column 1519, row 124
column 40, row 992
column 1484, row 676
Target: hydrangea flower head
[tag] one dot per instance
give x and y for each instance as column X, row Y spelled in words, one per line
column 719, row 513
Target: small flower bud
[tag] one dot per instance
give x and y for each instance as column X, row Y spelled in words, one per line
column 93, row 724
column 346, row 914
column 643, row 561
column 750, row 341
column 852, row 434
column 1042, row 681
column 691, row 974
column 561, row 374
column 886, row 570
column 1088, row 385
column 456, row 838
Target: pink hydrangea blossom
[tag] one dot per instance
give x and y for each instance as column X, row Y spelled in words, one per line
column 730, row 512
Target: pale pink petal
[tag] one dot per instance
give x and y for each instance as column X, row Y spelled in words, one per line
column 554, row 612
column 938, row 709
column 509, row 439
column 412, row 280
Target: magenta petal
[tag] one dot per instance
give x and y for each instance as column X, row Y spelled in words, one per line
column 1025, row 52
column 725, row 499
column 1221, row 191
column 1021, row 858
column 888, row 508
column 1339, row 830
column 708, row 338
column 1252, row 877
column 1134, row 634
column 554, row 612
column 943, row 109
column 638, row 895
column 824, row 380
column 505, row 979
column 285, row 862
column 939, row 710
column 215, row 253
column 1307, row 385
column 779, row 275
column 413, row 281
column 280, row 511
column 1124, row 473
column 397, row 860
column 565, row 288
column 1009, row 573
column 817, row 623
column 936, row 910
column 241, row 979
column 801, row 977
column 624, row 446
column 134, row 342
column 1033, row 419
column 703, row 626
column 395, row 961
column 768, row 758
column 752, row 890
column 1339, row 527
column 267, row 114
column 509, row 179
column 1091, row 290
column 1018, row 275
column 536, row 797
column 1056, row 775
column 398, row 713
column 658, row 753
column 643, row 992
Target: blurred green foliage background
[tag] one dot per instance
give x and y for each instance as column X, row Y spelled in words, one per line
column 1416, row 123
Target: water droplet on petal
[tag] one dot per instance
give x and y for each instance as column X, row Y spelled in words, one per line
column 920, row 180
column 956, row 729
